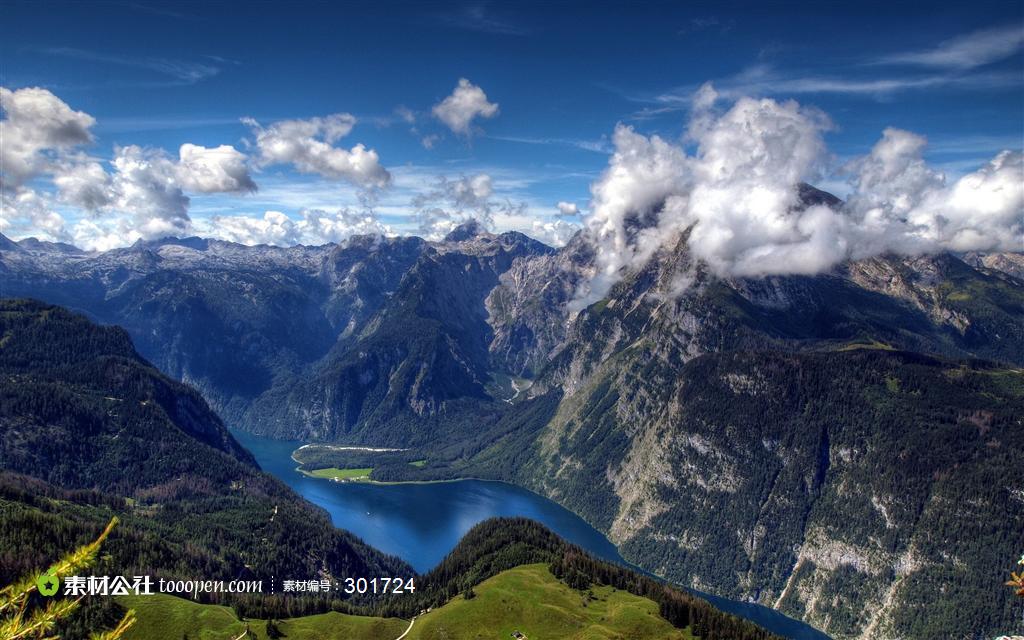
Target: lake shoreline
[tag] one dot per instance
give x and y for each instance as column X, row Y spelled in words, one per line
column 420, row 522
column 386, row 483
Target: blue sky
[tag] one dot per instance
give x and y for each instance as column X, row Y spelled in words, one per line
column 162, row 75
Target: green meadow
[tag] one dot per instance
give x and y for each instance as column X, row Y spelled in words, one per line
column 348, row 475
column 530, row 600
column 163, row 617
column 527, row 599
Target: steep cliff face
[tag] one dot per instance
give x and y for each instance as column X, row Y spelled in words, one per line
column 820, row 483
column 528, row 310
column 780, row 439
column 1011, row 264
column 418, row 369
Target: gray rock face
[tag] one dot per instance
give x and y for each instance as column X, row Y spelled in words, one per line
column 779, row 439
column 1009, row 263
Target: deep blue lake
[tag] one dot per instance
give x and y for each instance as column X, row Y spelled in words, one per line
column 421, row 523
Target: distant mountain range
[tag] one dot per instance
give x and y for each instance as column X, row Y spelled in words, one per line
column 835, row 446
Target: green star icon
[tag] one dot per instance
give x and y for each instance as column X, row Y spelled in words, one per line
column 48, row 584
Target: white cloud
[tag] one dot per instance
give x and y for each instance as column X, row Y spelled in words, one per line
column 273, row 228
column 142, row 197
column 901, row 205
column 568, row 209
column 406, row 114
column 315, row 227
column 82, row 182
column 320, row 226
column 642, row 173
column 213, row 170
column 944, row 66
column 452, row 202
column 472, row 192
column 106, row 234
column 145, row 185
column 24, row 207
column 985, row 209
column 966, row 51
column 308, row 145
column 478, row 17
column 182, row 72
column 466, row 102
column 748, row 163
column 595, row 146
column 765, row 80
column 37, row 122
column 738, row 197
column 555, row 233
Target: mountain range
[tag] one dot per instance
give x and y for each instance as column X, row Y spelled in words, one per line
column 92, row 431
column 835, row 446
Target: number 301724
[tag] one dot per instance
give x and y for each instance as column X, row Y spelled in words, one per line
column 379, row 585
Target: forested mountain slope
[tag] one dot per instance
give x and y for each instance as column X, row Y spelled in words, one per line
column 90, row 430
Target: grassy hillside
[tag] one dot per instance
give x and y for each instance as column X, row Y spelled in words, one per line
column 334, row 473
column 529, row 599
column 163, row 616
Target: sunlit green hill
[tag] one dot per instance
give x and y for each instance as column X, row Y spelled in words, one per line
column 527, row 599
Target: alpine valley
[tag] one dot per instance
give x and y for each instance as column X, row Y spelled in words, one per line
column 838, row 447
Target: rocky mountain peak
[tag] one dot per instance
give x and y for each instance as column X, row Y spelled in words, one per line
column 466, row 231
column 810, row 196
column 6, row 244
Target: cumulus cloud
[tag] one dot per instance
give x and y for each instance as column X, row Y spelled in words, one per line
column 142, row 198
column 903, row 206
column 35, row 210
column 555, row 233
column 273, row 228
column 568, row 209
column 308, row 145
column 142, row 195
column 105, row 234
column 315, row 227
column 453, row 202
column 738, row 197
column 220, row 169
column 83, row 182
column 37, row 122
column 145, row 185
column 466, row 102
column 641, row 174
